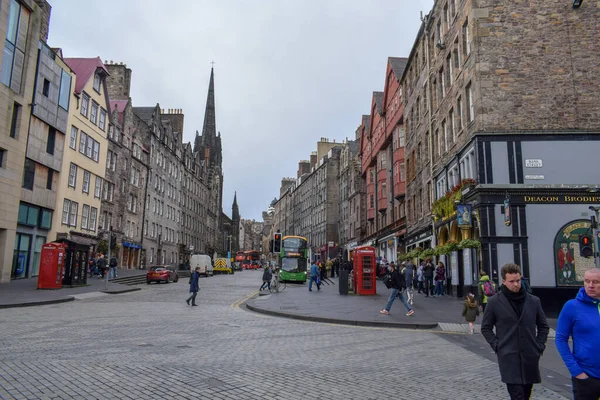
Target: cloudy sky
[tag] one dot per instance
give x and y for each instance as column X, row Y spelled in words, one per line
column 287, row 72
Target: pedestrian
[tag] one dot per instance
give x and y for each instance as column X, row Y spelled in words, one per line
column 485, row 289
column 580, row 319
column 521, row 333
column 397, row 285
column 420, row 277
column 428, row 276
column 194, row 287
column 267, row 275
column 409, row 274
column 328, row 267
column 101, row 264
column 113, row 267
column 314, row 277
column 440, row 278
column 470, row 310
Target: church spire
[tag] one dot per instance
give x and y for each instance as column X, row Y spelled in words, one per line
column 235, row 211
column 209, row 130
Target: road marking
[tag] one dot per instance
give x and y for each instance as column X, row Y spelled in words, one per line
column 236, row 305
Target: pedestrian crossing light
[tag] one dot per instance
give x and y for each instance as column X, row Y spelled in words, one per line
column 585, row 246
column 277, row 243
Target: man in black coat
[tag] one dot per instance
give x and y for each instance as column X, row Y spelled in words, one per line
column 518, row 344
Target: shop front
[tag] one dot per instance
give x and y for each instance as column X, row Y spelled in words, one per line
column 131, row 255
column 32, row 232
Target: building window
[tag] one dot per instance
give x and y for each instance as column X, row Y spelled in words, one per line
column 28, row 174
column 470, row 105
column 93, row 217
column 445, row 130
column 466, row 39
column 98, row 187
column 72, row 175
column 65, row 90
column 73, row 138
column 50, row 179
column 21, row 255
column 89, row 147
column 94, row 113
column 16, row 113
column 85, row 103
column 452, row 126
column 97, row 83
column 46, row 87
column 86, row 182
column 85, row 214
column 102, row 122
column 402, row 172
column 2, row 157
column 69, row 216
column 459, row 109
column 51, row 141
column 13, row 59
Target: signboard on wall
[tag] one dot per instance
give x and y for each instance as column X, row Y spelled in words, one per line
column 464, row 215
column 569, row 265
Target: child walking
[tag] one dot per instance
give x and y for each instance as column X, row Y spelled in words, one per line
column 470, row 310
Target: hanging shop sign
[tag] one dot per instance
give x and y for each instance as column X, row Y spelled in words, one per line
column 464, row 215
column 569, row 265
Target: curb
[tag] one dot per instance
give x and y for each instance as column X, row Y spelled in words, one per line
column 345, row 322
column 121, row 291
column 37, row 303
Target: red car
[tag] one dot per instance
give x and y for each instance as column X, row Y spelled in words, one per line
column 162, row 273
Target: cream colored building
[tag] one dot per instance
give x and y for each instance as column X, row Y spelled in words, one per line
column 22, row 25
column 81, row 182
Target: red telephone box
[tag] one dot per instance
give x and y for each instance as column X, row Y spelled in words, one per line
column 51, row 266
column 364, row 271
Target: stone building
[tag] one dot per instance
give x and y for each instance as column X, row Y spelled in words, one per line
column 508, row 85
column 127, row 172
column 383, row 165
column 350, row 189
column 18, row 73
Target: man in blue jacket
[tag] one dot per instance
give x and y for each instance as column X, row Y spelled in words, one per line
column 194, row 287
column 580, row 319
column 314, row 275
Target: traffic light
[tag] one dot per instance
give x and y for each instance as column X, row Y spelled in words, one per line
column 271, row 246
column 113, row 241
column 585, row 246
column 277, row 243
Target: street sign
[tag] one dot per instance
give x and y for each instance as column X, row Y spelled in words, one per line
column 533, row 163
column 191, row 248
column 331, row 244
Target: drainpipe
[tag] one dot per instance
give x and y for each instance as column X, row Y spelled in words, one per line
column 430, row 111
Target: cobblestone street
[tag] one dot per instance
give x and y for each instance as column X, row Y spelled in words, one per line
column 150, row 345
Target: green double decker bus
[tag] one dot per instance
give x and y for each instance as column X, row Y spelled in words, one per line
column 293, row 259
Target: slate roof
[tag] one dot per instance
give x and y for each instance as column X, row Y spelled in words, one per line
column 378, row 97
column 144, row 113
column 398, row 65
column 366, row 120
column 84, row 68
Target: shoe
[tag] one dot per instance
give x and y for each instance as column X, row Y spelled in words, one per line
column 310, row 290
column 188, row 302
column 386, row 312
column 411, row 312
column 194, row 305
column 470, row 332
column 411, row 303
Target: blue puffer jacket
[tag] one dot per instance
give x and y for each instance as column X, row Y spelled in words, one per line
column 580, row 318
column 194, row 282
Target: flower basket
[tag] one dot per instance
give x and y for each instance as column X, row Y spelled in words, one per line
column 470, row 244
column 427, row 253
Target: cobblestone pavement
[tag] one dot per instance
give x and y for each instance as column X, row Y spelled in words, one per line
column 150, row 345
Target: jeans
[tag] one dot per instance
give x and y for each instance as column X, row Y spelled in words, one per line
column 396, row 293
column 112, row 272
column 421, row 289
column 313, row 279
column 267, row 284
column 519, row 392
column 439, row 288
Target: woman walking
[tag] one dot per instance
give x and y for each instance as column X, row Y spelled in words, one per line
column 194, row 287
column 440, row 278
column 470, row 310
column 266, row 279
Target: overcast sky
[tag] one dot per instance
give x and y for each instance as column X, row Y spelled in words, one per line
column 287, row 72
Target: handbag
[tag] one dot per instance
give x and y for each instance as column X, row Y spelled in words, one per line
column 318, row 280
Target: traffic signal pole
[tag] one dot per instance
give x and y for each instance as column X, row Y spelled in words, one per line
column 595, row 240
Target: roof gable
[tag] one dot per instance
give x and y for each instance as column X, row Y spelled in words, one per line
column 84, row 68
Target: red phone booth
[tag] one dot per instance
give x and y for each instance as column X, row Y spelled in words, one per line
column 51, row 266
column 364, row 271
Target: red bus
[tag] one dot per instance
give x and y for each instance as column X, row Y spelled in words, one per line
column 252, row 260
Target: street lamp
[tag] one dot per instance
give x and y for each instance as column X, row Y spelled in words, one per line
column 229, row 252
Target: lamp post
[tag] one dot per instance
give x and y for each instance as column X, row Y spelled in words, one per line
column 108, row 259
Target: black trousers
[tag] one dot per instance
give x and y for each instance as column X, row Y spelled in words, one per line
column 586, row 389
column 519, row 392
column 193, row 297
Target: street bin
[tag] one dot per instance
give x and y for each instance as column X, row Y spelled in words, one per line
column 343, row 282
column 365, row 271
column 52, row 262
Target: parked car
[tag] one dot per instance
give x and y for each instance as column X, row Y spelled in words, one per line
column 162, row 273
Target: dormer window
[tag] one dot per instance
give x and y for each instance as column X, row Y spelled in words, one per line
column 97, row 83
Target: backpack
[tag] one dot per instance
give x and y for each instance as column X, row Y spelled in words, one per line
column 489, row 289
column 387, row 281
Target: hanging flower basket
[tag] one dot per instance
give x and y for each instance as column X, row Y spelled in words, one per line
column 427, row 253
column 470, row 244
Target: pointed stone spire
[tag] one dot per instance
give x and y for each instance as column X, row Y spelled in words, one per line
column 235, row 211
column 209, row 130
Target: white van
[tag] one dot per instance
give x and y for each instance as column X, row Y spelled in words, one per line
column 202, row 261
